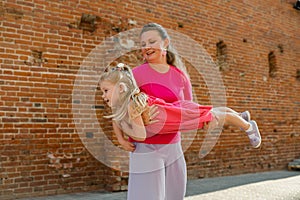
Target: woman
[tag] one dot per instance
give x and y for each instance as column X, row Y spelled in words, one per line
column 157, row 164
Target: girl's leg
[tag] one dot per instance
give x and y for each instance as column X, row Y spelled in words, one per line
column 245, row 115
column 226, row 110
column 231, row 117
column 236, row 120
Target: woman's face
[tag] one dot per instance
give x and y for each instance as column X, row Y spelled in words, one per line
column 152, row 47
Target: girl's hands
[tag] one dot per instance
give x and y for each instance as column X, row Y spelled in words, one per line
column 126, row 145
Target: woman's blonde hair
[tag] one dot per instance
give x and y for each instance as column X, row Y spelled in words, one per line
column 172, row 55
column 122, row 74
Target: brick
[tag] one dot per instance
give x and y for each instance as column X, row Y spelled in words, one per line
column 36, row 93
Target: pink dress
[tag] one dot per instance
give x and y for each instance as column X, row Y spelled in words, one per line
column 178, row 116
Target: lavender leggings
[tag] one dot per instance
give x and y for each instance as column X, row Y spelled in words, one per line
column 157, row 172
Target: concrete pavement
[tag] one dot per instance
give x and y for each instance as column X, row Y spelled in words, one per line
column 274, row 185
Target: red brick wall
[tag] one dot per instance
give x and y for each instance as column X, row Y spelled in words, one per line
column 43, row 44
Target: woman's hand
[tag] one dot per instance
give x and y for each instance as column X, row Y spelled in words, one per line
column 149, row 115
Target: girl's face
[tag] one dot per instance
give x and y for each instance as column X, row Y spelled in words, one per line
column 110, row 92
column 152, row 46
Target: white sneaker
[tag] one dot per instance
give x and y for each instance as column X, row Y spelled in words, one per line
column 254, row 135
column 246, row 115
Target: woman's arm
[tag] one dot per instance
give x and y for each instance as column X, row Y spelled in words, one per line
column 149, row 114
column 187, row 90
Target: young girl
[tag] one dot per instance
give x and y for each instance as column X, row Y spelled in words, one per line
column 128, row 104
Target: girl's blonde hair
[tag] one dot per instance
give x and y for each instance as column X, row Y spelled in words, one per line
column 172, row 55
column 122, row 74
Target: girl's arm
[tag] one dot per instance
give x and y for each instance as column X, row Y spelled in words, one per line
column 134, row 125
column 128, row 146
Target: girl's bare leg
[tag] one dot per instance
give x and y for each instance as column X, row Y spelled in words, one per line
column 236, row 120
column 231, row 117
column 225, row 115
column 227, row 110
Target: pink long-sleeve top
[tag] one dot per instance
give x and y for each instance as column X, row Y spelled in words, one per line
column 170, row 86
